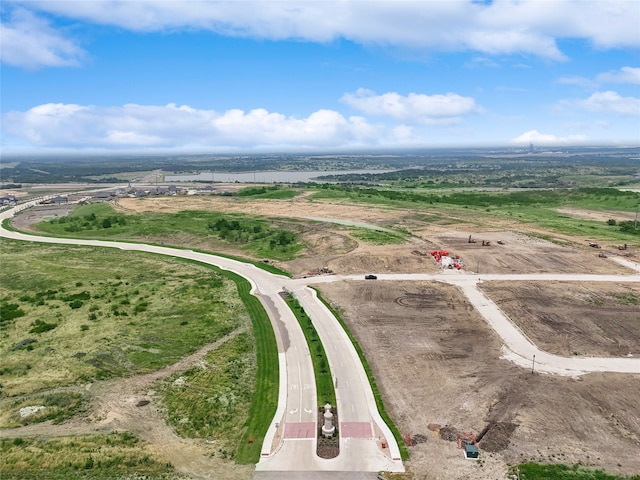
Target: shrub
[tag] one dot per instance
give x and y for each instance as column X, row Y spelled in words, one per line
column 76, row 304
column 40, row 326
column 10, row 311
column 629, row 227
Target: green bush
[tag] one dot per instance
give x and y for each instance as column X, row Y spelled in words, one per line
column 10, row 311
column 40, row 326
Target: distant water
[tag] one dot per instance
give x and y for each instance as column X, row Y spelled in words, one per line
column 263, row 177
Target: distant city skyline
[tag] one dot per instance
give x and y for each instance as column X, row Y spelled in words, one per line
column 260, row 76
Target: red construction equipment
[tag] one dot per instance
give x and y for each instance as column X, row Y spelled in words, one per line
column 466, row 436
column 438, row 254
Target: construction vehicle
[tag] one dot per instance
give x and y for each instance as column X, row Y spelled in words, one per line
column 594, row 245
column 622, row 247
column 472, row 240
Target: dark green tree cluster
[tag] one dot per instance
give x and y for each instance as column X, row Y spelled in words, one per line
column 236, row 231
column 90, row 222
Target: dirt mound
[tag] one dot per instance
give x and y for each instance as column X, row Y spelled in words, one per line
column 419, row 438
column 496, row 436
column 449, row 433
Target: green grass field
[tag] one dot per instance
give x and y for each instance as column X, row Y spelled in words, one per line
column 537, row 207
column 94, row 457
column 535, row 471
column 273, row 192
column 213, row 400
column 377, row 237
column 255, row 236
column 84, row 313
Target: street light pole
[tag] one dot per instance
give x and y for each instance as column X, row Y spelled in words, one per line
column 533, row 364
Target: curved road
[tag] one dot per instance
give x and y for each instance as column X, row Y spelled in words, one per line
column 291, row 440
column 516, row 346
column 290, row 443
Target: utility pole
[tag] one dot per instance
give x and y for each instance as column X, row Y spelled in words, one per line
column 533, row 364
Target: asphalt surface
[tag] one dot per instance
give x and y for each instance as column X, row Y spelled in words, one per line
column 290, row 443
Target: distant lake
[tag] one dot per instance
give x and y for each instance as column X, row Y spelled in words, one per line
column 264, row 177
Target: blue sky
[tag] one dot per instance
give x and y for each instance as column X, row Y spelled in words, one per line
column 157, row 75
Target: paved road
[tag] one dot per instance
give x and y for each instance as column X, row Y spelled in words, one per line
column 291, row 440
column 516, row 346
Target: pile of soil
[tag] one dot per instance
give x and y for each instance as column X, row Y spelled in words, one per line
column 496, row 436
column 449, row 433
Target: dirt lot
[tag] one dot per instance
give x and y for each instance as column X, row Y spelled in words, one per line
column 436, row 361
column 592, row 319
column 438, row 365
column 524, row 254
column 331, row 246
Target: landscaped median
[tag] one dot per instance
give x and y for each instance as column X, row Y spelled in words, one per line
column 376, row 392
column 330, row 447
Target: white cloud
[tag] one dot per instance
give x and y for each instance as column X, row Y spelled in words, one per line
column 29, row 42
column 535, row 137
column 579, row 81
column 438, row 109
column 624, row 75
column 610, row 102
column 132, row 125
column 497, row 28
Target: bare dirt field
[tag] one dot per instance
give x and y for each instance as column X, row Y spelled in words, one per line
column 330, row 245
column 436, row 361
column 524, row 254
column 25, row 220
column 438, row 366
column 592, row 319
column 601, row 216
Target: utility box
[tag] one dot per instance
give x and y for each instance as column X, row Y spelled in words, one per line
column 471, row 451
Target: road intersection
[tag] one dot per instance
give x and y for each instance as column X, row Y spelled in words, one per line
column 290, row 443
column 366, row 442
